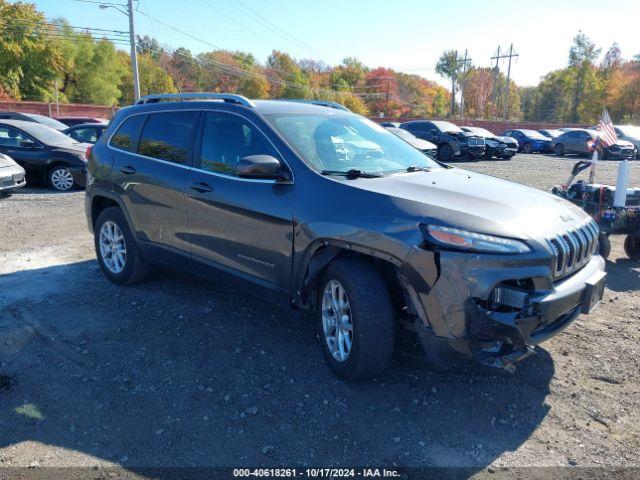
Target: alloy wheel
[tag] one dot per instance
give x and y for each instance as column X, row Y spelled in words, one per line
column 112, row 247
column 337, row 324
column 61, row 179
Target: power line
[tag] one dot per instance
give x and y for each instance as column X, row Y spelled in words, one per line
column 27, row 23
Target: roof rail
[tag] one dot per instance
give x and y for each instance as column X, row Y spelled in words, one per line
column 226, row 97
column 320, row 103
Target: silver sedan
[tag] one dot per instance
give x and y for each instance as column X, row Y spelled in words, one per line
column 12, row 175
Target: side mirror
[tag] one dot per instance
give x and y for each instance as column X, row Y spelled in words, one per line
column 261, row 167
column 28, row 143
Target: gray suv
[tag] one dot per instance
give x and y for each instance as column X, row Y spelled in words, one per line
column 325, row 211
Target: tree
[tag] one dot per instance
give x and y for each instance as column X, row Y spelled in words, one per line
column 153, row 78
column 450, row 66
column 582, row 55
column 288, row 79
column 30, row 61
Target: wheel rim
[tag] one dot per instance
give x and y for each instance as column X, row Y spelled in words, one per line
column 528, row 148
column 61, row 179
column 445, row 153
column 337, row 324
column 112, row 247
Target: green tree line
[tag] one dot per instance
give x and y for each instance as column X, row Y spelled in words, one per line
column 43, row 60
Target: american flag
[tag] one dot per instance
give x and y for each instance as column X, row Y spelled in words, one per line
column 606, row 132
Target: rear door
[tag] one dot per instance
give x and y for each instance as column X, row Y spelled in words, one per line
column 152, row 158
column 242, row 225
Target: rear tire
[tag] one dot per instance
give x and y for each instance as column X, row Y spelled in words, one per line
column 445, row 154
column 366, row 305
column 604, row 246
column 632, row 247
column 131, row 268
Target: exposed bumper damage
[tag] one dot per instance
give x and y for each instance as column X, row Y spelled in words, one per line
column 482, row 308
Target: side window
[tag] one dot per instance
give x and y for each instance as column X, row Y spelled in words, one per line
column 88, row 134
column 228, row 138
column 167, row 136
column 127, row 135
column 416, row 127
column 10, row 137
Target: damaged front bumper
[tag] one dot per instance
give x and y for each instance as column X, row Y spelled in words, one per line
column 493, row 311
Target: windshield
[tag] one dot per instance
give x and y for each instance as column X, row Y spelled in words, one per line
column 534, row 134
column 343, row 142
column 447, row 127
column 47, row 135
column 49, row 122
column 630, row 131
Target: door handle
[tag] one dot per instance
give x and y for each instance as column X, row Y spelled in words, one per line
column 128, row 170
column 201, row 187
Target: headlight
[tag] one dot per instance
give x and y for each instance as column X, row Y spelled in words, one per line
column 491, row 143
column 454, row 238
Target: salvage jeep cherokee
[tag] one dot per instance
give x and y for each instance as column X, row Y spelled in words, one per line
column 326, row 211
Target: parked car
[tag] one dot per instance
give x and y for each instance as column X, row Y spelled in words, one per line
column 582, row 142
column 12, row 175
column 630, row 133
column 260, row 192
column 530, row 141
column 390, row 124
column 45, row 154
column 86, row 132
column 33, row 117
column 71, row 121
column 551, row 132
column 422, row 145
column 452, row 142
column 495, row 146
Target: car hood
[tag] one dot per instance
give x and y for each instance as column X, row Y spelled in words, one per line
column 478, row 202
column 624, row 143
column 6, row 161
column 507, row 140
column 421, row 144
column 80, row 148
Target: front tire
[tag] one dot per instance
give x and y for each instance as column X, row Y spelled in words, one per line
column 116, row 249
column 632, row 247
column 528, row 148
column 355, row 321
column 60, row 178
column 604, row 246
column 445, row 153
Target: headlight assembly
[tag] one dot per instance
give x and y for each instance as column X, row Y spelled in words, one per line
column 456, row 239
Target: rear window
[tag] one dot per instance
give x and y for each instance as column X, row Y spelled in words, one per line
column 167, row 136
column 127, row 135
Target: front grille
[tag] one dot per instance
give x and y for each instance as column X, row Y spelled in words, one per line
column 574, row 248
column 476, row 141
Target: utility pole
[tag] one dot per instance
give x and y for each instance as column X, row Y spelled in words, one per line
column 497, row 58
column 511, row 55
column 132, row 42
column 134, row 52
column 465, row 65
column 57, row 98
column 496, row 70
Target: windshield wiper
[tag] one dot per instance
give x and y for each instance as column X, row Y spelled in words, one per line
column 414, row 168
column 352, row 173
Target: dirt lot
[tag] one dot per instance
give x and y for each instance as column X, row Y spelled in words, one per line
column 177, row 372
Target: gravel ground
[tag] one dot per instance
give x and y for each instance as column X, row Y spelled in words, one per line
column 177, row 372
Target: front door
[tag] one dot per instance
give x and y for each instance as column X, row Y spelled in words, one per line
column 243, row 225
column 25, row 150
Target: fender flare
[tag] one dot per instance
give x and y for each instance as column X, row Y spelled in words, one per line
column 101, row 192
column 319, row 254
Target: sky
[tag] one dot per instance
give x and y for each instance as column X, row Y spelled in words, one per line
column 406, row 35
